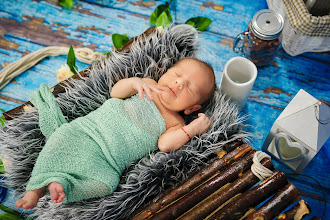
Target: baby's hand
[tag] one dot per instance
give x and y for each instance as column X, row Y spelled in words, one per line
column 143, row 87
column 200, row 124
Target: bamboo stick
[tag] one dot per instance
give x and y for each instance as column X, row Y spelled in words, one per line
column 194, row 181
column 211, row 203
column 297, row 212
column 282, row 199
column 204, row 190
column 251, row 198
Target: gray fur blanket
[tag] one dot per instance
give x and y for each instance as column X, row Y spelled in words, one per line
column 21, row 139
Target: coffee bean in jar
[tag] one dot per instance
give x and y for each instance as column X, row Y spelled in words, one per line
column 260, row 42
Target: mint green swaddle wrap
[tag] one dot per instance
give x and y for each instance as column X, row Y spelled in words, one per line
column 88, row 155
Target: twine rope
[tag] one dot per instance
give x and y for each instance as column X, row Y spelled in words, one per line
column 12, row 70
column 317, row 116
column 257, row 168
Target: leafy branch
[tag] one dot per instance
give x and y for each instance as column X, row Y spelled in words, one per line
column 66, row 3
column 2, row 119
column 10, row 214
column 71, row 61
column 119, row 40
column 161, row 17
column 200, row 23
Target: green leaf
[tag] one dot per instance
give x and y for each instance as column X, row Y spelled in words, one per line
column 191, row 23
column 107, row 53
column 10, row 211
column 2, row 168
column 119, row 40
column 2, row 119
column 162, row 20
column 200, row 23
column 8, row 216
column 71, row 61
column 66, row 3
column 158, row 11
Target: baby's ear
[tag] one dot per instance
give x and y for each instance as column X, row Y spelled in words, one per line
column 192, row 109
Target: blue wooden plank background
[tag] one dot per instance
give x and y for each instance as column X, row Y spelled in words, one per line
column 27, row 25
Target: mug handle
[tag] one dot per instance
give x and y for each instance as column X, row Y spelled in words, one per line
column 240, row 37
column 288, row 140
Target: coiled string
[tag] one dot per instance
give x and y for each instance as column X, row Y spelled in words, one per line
column 257, row 168
column 12, row 70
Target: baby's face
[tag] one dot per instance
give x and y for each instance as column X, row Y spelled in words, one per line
column 186, row 84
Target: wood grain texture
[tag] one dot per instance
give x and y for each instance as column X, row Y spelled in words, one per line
column 27, row 25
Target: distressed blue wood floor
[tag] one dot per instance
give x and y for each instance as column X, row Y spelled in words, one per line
column 27, row 25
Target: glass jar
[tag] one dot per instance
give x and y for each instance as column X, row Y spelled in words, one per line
column 260, row 42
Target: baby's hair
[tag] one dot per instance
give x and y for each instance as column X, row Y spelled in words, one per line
column 209, row 66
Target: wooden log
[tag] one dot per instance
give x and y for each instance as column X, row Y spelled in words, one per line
column 204, row 190
column 232, row 145
column 278, row 203
column 211, row 203
column 239, row 206
column 229, row 147
column 297, row 212
column 194, row 181
column 246, row 214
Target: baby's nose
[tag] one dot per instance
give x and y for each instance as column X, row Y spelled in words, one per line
column 180, row 83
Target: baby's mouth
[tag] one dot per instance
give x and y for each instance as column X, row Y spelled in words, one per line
column 172, row 91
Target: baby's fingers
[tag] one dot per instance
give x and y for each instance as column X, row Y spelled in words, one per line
column 204, row 118
column 157, row 89
column 147, row 91
column 209, row 123
column 202, row 115
column 140, row 91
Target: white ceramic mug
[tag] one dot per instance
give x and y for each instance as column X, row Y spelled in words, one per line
column 238, row 78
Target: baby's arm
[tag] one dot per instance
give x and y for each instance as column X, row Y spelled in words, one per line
column 177, row 136
column 125, row 88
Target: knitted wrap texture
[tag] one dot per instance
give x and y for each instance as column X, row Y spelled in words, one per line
column 106, row 141
column 21, row 139
column 52, row 117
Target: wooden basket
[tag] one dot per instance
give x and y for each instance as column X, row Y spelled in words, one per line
column 228, row 189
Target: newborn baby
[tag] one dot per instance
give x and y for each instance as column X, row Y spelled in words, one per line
column 86, row 157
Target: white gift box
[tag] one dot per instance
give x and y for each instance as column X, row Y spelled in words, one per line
column 299, row 132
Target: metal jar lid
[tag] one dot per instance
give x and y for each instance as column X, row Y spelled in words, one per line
column 267, row 24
